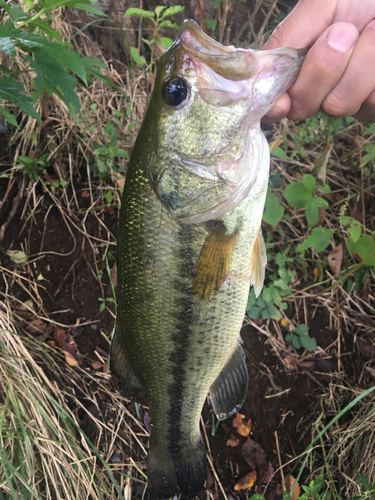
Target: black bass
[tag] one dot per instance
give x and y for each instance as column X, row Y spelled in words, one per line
column 190, row 243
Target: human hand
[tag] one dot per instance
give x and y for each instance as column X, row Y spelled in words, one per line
column 338, row 74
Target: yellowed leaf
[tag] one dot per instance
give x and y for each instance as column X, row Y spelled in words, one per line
column 289, row 483
column 335, row 259
column 284, row 322
column 17, row 256
column 233, row 441
column 243, row 428
column 71, row 360
column 246, row 481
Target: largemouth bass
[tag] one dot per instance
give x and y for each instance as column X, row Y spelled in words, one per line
column 190, row 243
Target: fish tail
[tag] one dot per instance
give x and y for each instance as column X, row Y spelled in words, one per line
column 171, row 474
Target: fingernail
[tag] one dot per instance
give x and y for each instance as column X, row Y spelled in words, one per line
column 342, row 37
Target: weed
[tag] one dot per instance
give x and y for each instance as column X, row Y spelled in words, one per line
column 159, row 18
column 299, row 337
column 32, row 168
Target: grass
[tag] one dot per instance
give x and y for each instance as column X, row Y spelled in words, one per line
column 44, row 403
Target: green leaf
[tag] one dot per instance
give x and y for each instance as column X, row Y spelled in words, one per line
column 297, row 195
column 48, row 69
column 296, row 342
column 257, row 497
column 273, row 210
column 7, row 46
column 354, row 229
column 319, row 239
column 135, row 12
column 168, row 24
column 159, row 9
column 308, row 342
column 12, row 91
column 89, row 8
column 48, row 30
column 312, row 212
column 370, row 130
column 69, row 59
column 281, row 259
column 309, row 181
column 5, row 6
column 255, row 312
column 137, row 58
column 166, row 42
column 276, row 180
column 301, row 329
column 280, row 153
column 17, row 14
column 171, row 11
column 7, row 115
column 363, row 247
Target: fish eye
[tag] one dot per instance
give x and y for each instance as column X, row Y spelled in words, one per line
column 175, row 91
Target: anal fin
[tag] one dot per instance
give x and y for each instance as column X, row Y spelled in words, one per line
column 214, row 262
column 258, row 263
column 228, row 392
column 126, row 377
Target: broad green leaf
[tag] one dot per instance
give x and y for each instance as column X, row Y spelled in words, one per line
column 257, row 497
column 168, row 24
column 301, row 329
column 309, row 181
column 5, row 6
column 171, row 11
column 296, row 342
column 355, row 227
column 137, row 58
column 370, row 130
column 273, row 211
column 44, row 26
column 319, row 239
column 12, row 91
column 135, row 12
column 282, row 259
column 312, row 212
column 280, row 153
column 297, row 195
column 159, row 9
column 308, row 342
column 255, row 312
column 29, row 4
column 69, row 59
column 17, row 14
column 7, row 46
column 48, row 68
column 166, row 42
column 363, row 247
column 276, row 180
column 7, row 115
column 90, row 8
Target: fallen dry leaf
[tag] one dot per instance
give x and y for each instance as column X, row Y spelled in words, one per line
column 71, row 360
column 52, row 343
column 246, row 481
column 233, row 441
column 289, row 482
column 335, row 259
column 59, row 336
column 256, row 457
column 97, row 365
column 37, row 326
column 322, row 216
column 290, row 361
column 242, row 428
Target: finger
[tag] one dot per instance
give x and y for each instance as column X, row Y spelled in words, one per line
column 279, row 110
column 303, row 25
column 358, row 81
column 322, row 69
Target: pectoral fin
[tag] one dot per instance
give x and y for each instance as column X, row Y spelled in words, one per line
column 228, row 392
column 129, row 381
column 258, row 263
column 214, row 262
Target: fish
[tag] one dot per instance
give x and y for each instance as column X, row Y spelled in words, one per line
column 190, row 244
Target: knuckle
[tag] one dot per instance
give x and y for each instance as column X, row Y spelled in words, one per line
column 339, row 106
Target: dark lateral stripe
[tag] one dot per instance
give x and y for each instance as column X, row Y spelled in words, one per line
column 184, row 298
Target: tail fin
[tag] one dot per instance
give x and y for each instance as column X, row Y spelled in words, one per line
column 173, row 474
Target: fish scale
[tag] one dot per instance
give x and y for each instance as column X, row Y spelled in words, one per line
column 190, row 244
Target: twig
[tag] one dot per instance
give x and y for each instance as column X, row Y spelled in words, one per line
column 280, row 463
column 15, row 205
